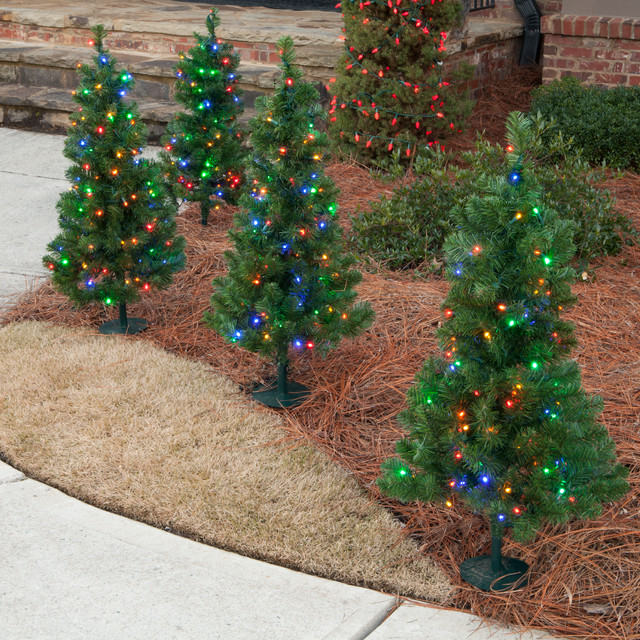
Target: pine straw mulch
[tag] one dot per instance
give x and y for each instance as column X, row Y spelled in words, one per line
column 585, row 579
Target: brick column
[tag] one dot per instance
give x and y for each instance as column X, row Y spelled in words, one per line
column 598, row 51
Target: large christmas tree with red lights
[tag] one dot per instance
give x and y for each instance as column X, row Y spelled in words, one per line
column 390, row 92
column 500, row 423
column 117, row 220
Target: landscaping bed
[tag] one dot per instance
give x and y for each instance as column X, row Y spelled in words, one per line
column 585, row 578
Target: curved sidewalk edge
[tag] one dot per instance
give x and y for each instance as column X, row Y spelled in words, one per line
column 69, row 570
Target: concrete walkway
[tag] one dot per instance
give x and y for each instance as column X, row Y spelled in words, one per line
column 69, row 571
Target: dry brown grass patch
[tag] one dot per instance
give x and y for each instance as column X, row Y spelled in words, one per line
column 127, row 426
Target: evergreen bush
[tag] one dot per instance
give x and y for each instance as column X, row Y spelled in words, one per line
column 408, row 229
column 604, row 123
column 390, row 91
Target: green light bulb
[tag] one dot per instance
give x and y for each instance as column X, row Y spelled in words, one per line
column 547, row 260
column 534, row 365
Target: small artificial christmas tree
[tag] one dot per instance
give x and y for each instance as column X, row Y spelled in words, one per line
column 389, row 93
column 117, row 220
column 501, row 423
column 203, row 155
column 290, row 281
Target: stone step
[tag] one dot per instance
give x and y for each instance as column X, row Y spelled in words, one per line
column 160, row 26
column 43, row 108
column 36, row 80
column 42, row 41
column 54, row 66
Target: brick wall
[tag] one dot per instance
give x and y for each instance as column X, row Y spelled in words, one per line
column 504, row 10
column 598, row 51
column 549, row 6
column 494, row 53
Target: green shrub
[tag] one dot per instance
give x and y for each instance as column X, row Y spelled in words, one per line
column 407, row 229
column 391, row 90
column 605, row 123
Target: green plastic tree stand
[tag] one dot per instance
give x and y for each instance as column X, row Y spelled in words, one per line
column 495, row 572
column 283, row 393
column 123, row 325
